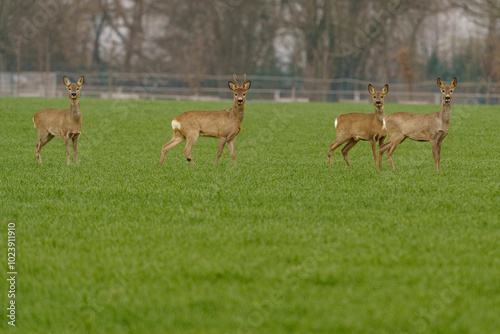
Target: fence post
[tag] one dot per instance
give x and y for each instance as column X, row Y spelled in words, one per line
column 277, row 95
column 357, row 96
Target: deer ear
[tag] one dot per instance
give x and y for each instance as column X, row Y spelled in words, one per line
column 80, row 81
column 454, row 83
column 247, row 85
column 371, row 90
column 385, row 90
column 66, row 81
column 440, row 83
column 231, row 85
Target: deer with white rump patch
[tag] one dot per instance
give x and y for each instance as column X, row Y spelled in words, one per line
column 222, row 124
column 420, row 127
column 354, row 127
column 64, row 123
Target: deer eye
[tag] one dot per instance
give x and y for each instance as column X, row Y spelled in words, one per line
column 443, row 91
column 451, row 91
column 381, row 97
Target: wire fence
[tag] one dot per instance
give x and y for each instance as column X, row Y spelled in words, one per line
column 156, row 86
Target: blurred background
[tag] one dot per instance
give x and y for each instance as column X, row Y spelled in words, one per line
column 292, row 50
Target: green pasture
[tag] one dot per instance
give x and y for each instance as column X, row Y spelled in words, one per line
column 280, row 244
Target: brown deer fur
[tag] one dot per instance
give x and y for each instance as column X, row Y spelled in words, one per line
column 420, row 127
column 354, row 127
column 222, row 124
column 64, row 123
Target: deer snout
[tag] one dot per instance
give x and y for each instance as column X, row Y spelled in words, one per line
column 73, row 94
column 240, row 100
column 447, row 97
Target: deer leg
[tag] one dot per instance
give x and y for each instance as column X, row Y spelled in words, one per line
column 177, row 138
column 231, row 149
column 394, row 145
column 191, row 140
column 384, row 147
column 43, row 138
column 222, row 142
column 66, row 142
column 373, row 142
column 439, row 153
column 440, row 141
column 380, row 144
column 350, row 144
column 435, row 152
column 381, row 150
column 334, row 145
column 75, row 141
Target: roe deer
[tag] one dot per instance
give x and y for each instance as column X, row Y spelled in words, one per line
column 222, row 124
column 64, row 123
column 354, row 127
column 420, row 127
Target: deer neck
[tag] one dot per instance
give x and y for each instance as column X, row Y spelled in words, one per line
column 239, row 110
column 74, row 107
column 445, row 112
column 380, row 114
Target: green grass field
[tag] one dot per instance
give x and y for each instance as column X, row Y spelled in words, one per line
column 279, row 244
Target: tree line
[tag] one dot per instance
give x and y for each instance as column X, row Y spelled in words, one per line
column 381, row 40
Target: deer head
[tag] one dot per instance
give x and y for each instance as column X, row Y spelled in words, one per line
column 239, row 91
column 447, row 90
column 74, row 88
column 378, row 97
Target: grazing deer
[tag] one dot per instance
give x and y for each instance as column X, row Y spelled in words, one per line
column 222, row 124
column 354, row 127
column 420, row 127
column 64, row 123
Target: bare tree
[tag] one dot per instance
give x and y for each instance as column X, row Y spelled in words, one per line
column 324, row 39
column 403, row 57
column 127, row 23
